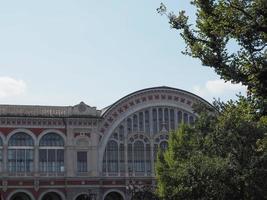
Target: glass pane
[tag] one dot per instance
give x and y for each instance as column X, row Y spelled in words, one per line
column 141, row 121
column 164, row 145
column 130, row 157
column 155, row 119
column 135, row 125
column 20, row 139
column 82, row 161
column 185, row 118
column 179, row 117
column 12, row 160
column 112, row 156
column 121, row 133
column 43, row 160
column 139, row 156
column 172, row 119
column 52, row 139
column 122, row 164
column 191, row 119
column 166, row 118
column 129, row 125
column 147, row 128
column 160, row 118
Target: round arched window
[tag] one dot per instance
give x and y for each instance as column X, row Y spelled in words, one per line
column 51, row 153
column 20, row 153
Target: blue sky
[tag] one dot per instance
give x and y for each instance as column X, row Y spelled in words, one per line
column 97, row 51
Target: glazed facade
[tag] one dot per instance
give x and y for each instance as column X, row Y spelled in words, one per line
column 49, row 152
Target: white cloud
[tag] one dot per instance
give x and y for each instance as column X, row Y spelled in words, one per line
column 10, row 87
column 219, row 89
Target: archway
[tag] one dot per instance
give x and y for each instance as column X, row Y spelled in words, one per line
column 113, row 196
column 82, row 197
column 51, row 196
column 20, row 196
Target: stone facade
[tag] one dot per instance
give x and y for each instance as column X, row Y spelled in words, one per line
column 102, row 149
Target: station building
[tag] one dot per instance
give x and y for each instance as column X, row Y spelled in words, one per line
column 66, row 152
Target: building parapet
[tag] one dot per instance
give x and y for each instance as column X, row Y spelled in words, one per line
column 79, row 110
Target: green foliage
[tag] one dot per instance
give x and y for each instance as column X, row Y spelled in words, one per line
column 224, row 156
column 219, row 25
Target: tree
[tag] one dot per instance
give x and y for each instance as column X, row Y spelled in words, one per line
column 222, row 156
column 223, row 22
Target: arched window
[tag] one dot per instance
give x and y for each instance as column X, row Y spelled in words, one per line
column 139, row 156
column 20, row 153
column 112, row 156
column 51, row 153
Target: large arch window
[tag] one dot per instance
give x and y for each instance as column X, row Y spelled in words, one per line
column 51, row 153
column 129, row 146
column 139, row 155
column 113, row 160
column 110, row 161
column 20, row 153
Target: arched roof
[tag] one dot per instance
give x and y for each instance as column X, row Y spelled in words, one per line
column 163, row 93
column 108, row 108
